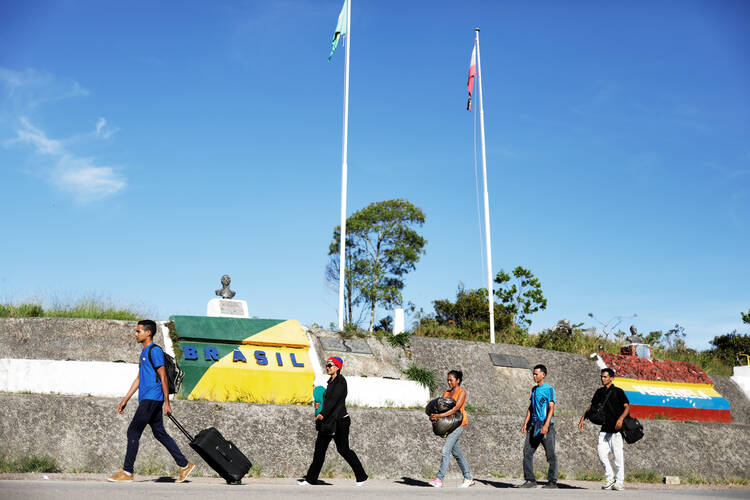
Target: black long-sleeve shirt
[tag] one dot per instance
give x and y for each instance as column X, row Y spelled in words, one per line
column 334, row 399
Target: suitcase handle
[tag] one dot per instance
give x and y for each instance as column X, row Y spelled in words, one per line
column 223, row 454
column 179, row 426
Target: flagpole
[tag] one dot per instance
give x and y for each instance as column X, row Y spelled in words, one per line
column 344, row 167
column 490, row 290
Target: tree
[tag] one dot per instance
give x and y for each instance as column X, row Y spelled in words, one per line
column 522, row 297
column 746, row 317
column 382, row 246
column 726, row 347
column 467, row 318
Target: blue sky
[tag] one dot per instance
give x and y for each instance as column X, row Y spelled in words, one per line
column 147, row 148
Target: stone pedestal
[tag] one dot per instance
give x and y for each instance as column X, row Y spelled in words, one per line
column 227, row 308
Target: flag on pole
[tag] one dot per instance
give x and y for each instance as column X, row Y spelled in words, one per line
column 472, row 74
column 340, row 28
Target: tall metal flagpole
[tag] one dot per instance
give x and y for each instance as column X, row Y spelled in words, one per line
column 490, row 298
column 344, row 166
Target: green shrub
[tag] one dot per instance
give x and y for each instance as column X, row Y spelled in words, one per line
column 399, row 340
column 643, row 476
column 589, row 476
column 31, row 463
column 85, row 308
column 422, row 376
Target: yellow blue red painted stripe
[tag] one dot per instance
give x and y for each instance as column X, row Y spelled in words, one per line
column 675, row 400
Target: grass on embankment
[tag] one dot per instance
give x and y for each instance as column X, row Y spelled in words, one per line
column 84, row 308
column 32, row 463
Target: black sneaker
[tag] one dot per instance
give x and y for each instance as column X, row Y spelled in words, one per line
column 551, row 485
column 527, row 484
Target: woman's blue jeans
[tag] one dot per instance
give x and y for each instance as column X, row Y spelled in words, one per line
column 452, row 446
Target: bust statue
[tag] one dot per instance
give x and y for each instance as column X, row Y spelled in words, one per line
column 224, row 292
column 634, row 337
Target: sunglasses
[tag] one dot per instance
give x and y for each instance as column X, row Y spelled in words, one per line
column 329, row 365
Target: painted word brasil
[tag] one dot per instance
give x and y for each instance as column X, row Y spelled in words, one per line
column 243, row 359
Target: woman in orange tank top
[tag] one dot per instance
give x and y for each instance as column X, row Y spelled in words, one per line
column 452, row 446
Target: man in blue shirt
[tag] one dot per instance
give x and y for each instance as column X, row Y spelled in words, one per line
column 153, row 398
column 539, row 428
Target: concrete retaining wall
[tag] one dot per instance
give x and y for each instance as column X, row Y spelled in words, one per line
column 86, row 433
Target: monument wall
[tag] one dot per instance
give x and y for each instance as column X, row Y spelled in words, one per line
column 86, row 432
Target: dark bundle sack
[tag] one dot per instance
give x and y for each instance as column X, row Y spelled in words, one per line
column 444, row 426
column 439, row 405
column 632, row 430
column 174, row 374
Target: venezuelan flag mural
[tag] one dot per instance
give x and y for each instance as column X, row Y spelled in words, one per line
column 674, row 400
column 243, row 359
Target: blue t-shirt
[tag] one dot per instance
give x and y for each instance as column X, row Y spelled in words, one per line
column 541, row 396
column 149, row 385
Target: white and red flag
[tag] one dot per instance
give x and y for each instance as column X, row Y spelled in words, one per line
column 472, row 74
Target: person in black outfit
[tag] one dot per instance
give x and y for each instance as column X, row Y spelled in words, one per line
column 616, row 408
column 333, row 423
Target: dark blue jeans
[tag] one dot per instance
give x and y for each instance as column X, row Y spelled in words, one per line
column 530, row 446
column 149, row 413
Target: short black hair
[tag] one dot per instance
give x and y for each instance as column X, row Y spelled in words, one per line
column 458, row 374
column 541, row 368
column 149, row 326
column 610, row 371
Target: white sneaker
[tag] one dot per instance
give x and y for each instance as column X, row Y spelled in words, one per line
column 302, row 482
column 608, row 484
column 360, row 483
column 618, row 486
column 468, row 483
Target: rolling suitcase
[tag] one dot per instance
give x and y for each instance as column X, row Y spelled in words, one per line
column 221, row 455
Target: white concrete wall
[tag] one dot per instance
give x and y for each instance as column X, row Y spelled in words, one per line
column 741, row 377
column 95, row 378
column 373, row 392
column 385, row 392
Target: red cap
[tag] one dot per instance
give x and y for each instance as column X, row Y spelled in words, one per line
column 336, row 361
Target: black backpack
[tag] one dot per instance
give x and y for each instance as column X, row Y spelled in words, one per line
column 174, row 374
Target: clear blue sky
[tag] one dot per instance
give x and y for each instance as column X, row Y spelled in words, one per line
column 147, row 148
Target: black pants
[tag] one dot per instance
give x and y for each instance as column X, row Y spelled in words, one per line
column 149, row 413
column 341, row 438
column 530, row 446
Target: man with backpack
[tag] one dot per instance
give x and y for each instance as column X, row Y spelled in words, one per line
column 153, row 399
column 609, row 407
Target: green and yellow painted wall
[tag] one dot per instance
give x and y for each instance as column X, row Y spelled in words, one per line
column 243, row 359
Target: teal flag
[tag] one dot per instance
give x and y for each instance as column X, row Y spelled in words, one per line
column 340, row 28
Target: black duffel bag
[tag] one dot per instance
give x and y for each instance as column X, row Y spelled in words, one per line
column 632, row 430
column 445, row 425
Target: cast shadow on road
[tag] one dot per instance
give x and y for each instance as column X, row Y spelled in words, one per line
column 498, row 484
column 165, row 479
column 495, row 484
column 408, row 481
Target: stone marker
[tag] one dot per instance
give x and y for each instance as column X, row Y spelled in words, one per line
column 335, row 344
column 509, row 361
column 671, row 479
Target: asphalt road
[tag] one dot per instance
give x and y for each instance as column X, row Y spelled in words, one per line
column 90, row 486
